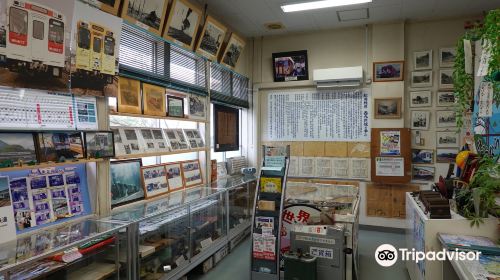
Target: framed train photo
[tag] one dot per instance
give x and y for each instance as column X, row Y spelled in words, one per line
column 108, row 6
column 290, row 66
column 153, row 98
column 149, row 15
column 212, row 37
column 182, row 24
column 129, row 96
column 233, row 51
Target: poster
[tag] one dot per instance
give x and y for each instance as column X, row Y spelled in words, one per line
column 359, row 168
column 389, row 166
column 390, row 143
column 7, row 222
column 486, row 121
column 485, row 102
column 86, row 112
column 264, row 247
column 341, row 115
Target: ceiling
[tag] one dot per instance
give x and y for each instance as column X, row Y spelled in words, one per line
column 248, row 17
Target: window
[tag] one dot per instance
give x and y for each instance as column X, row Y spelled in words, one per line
column 56, row 31
column 38, row 29
column 18, row 21
column 83, row 37
column 187, row 67
column 97, row 44
column 109, row 45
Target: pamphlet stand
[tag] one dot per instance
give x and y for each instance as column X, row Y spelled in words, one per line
column 268, row 207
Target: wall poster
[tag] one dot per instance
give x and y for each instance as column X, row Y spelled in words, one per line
column 486, row 121
column 389, row 166
column 340, row 115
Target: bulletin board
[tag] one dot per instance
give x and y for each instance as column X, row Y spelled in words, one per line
column 382, row 149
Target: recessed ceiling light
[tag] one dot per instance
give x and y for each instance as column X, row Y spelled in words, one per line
column 320, row 5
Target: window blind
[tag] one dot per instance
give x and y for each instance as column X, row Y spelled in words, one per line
column 227, row 87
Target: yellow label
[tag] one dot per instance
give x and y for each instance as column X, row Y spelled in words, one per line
column 272, row 185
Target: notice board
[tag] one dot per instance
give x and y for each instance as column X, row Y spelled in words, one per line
column 391, row 155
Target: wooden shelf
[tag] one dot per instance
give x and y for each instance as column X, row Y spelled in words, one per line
column 46, row 165
column 111, row 113
column 161, row 153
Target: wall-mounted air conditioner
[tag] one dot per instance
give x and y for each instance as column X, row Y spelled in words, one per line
column 338, row 77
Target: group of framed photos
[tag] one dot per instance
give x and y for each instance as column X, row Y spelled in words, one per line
column 423, row 64
column 30, row 148
column 130, row 181
column 154, row 101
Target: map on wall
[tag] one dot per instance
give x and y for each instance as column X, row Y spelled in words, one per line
column 340, row 115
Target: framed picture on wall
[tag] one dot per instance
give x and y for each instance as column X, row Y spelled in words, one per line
column 174, row 176
column 233, row 51
column 422, row 156
column 197, row 107
column 446, row 118
column 129, row 96
column 290, row 66
column 423, row 173
column 175, row 106
column 446, row 155
column 153, row 100
column 154, row 180
column 388, row 71
column 212, row 37
column 446, row 78
column 447, row 57
column 388, row 108
column 226, row 128
column 60, row 146
column 447, row 139
column 99, row 144
column 108, row 6
column 421, row 98
column 422, row 60
column 420, row 120
column 126, row 183
column 192, row 173
column 445, row 98
column 421, row 79
column 17, row 148
column 182, row 24
column 149, row 15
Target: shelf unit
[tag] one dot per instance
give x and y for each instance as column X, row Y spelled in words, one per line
column 161, row 153
column 52, row 164
column 112, row 113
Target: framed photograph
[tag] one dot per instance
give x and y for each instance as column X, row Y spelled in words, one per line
column 130, row 140
column 174, row 176
column 148, row 140
column 446, row 118
column 60, row 146
column 149, row 15
column 445, row 98
column 388, row 108
column 447, row 57
column 192, row 173
column 108, row 6
column 194, row 138
column 126, row 183
column 99, row 144
column 226, row 128
column 422, row 156
column 423, row 173
column 446, row 155
column 233, row 51
column 446, row 78
column 175, row 106
column 420, row 120
column 154, row 180
column 129, row 96
column 421, row 79
column 17, row 148
column 182, row 24
column 197, row 107
column 177, row 139
column 422, row 60
column 421, row 98
column 160, row 141
column 290, row 66
column 153, row 98
column 388, row 71
column 212, row 37
column 447, row 139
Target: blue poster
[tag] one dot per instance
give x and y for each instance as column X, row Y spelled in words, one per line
column 486, row 121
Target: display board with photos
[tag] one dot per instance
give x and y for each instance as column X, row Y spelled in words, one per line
column 177, row 139
column 44, row 196
column 194, row 138
column 191, row 172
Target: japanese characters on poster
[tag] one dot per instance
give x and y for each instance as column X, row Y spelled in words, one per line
column 390, row 143
column 341, row 115
column 389, row 166
column 485, row 120
column 293, row 216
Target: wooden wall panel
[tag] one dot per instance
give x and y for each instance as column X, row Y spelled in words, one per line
column 335, row 149
column 387, row 201
column 314, row 149
column 358, row 149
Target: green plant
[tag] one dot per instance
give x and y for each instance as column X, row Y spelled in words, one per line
column 491, row 33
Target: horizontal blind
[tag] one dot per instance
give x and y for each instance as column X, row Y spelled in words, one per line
column 228, row 87
column 220, row 79
column 187, row 67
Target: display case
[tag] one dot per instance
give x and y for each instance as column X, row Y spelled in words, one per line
column 87, row 249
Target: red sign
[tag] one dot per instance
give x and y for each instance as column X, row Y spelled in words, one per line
column 18, row 39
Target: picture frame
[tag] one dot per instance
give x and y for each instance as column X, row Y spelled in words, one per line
column 191, row 172
column 161, row 142
column 445, row 98
column 446, row 155
column 420, row 99
column 446, row 79
column 148, row 141
column 108, row 6
column 126, row 174
column 129, row 96
column 177, row 139
column 151, row 16
column 420, row 120
column 232, row 52
column 153, row 98
column 130, row 140
column 422, row 60
column 423, row 173
column 154, row 180
column 421, row 78
column 211, row 38
column 422, row 156
column 194, row 138
column 447, row 56
column 60, row 146
column 174, row 176
column 182, row 24
column 99, row 144
column 226, row 128
column 290, row 66
column 388, row 71
column 387, row 108
column 197, row 107
column 447, row 139
column 446, row 118
column 175, row 106
column 18, row 148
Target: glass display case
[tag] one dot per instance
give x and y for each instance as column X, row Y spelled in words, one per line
column 87, row 249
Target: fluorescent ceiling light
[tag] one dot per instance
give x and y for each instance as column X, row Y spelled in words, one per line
column 320, row 5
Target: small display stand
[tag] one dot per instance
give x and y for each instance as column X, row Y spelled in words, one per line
column 268, row 208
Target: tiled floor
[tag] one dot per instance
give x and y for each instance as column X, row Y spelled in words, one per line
column 237, row 264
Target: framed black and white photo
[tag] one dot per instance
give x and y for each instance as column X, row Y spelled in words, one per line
column 126, row 183
column 388, row 108
column 197, row 107
column 421, row 98
column 420, row 120
column 212, row 36
column 422, row 60
column 233, row 51
column 290, row 66
column 388, row 71
column 446, row 78
column 421, row 79
column 99, row 144
column 149, row 15
column 447, row 139
column 182, row 24
column 160, row 141
column 445, row 98
column 130, row 140
column 194, row 138
column 177, row 139
column 447, row 57
column 446, row 118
